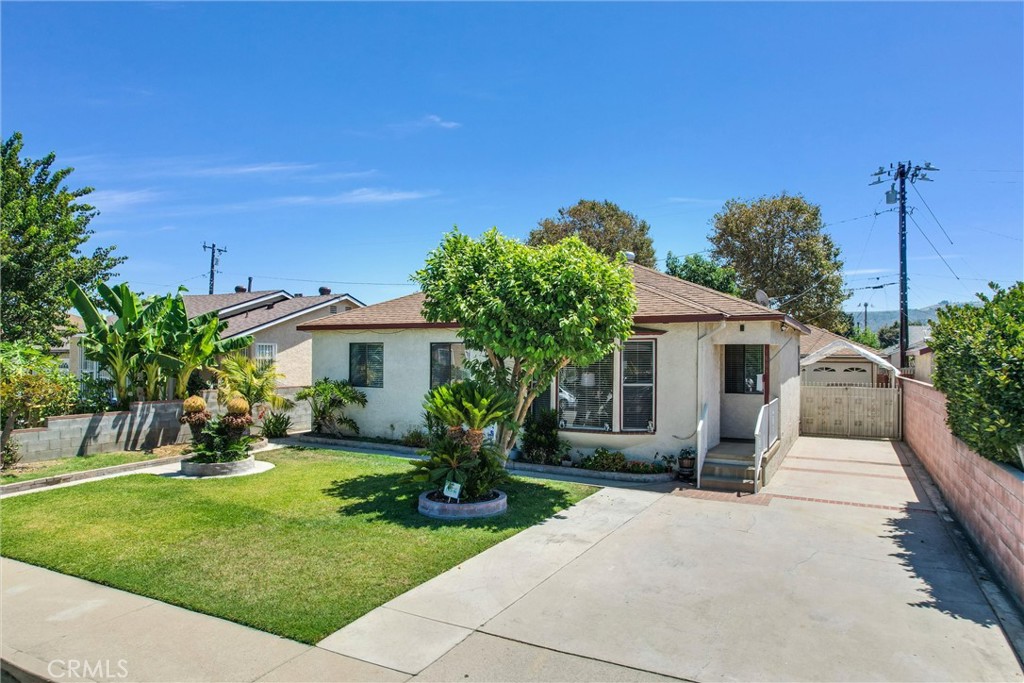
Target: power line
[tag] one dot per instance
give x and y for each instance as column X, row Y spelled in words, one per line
column 914, row 185
column 912, row 220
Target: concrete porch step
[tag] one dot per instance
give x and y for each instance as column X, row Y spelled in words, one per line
column 732, row 469
column 716, row 483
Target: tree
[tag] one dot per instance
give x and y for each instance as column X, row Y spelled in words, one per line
column 602, row 225
column 328, row 399
column 239, row 375
column 42, row 226
column 778, row 244
column 530, row 310
column 979, row 366
column 702, row 271
column 866, row 336
column 195, row 342
column 889, row 335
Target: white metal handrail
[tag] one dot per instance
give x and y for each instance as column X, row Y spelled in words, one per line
column 702, row 441
column 766, row 433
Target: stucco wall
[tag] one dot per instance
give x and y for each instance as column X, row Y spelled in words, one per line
column 987, row 497
column 294, row 348
column 678, row 396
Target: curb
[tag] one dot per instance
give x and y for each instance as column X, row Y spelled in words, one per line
column 45, row 482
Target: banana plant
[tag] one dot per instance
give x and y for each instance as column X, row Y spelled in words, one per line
column 127, row 346
column 196, row 342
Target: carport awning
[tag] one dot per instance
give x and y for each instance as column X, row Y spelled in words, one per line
column 829, row 349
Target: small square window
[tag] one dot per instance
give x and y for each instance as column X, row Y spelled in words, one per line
column 744, row 369
column 366, row 365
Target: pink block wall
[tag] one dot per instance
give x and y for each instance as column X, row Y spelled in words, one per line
column 987, row 497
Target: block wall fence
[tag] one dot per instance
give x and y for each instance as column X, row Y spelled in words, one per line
column 987, row 497
column 145, row 425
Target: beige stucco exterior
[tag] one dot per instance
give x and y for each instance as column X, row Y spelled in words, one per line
column 684, row 353
column 294, row 348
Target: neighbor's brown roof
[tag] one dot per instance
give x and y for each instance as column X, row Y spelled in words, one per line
column 820, row 338
column 660, row 298
column 198, row 304
column 243, row 322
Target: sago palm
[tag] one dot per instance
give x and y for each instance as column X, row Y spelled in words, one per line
column 239, row 375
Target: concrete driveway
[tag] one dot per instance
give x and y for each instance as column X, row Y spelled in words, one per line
column 840, row 570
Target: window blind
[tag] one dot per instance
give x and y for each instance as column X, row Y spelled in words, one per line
column 366, row 365
column 446, row 360
column 585, row 396
column 744, row 365
column 638, row 386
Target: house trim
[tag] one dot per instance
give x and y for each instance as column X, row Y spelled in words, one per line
column 290, row 316
column 251, row 303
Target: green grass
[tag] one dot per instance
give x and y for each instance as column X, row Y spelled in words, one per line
column 49, row 468
column 299, row 551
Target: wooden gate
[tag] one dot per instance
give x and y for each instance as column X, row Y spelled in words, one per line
column 866, row 412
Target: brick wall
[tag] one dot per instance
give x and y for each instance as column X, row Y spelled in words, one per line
column 144, row 425
column 987, row 497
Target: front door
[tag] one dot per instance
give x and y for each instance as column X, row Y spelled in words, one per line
column 744, row 388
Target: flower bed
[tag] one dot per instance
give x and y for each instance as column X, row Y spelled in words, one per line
column 592, row 474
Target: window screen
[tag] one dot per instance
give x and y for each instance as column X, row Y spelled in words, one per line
column 446, row 361
column 265, row 354
column 585, row 396
column 638, row 386
column 744, row 369
column 366, row 365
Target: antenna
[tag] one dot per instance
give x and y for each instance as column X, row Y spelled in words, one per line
column 762, row 298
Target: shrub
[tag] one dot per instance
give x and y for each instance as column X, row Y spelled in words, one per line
column 328, row 399
column 468, row 403
column 221, row 442
column 979, row 365
column 32, row 388
column 604, row 460
column 94, row 395
column 193, row 404
column 11, row 454
column 238, row 406
column 450, row 459
column 541, row 441
column 417, row 438
column 276, row 425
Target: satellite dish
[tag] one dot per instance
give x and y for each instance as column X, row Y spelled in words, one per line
column 762, row 298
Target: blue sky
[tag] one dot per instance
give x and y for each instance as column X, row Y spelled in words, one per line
column 335, row 143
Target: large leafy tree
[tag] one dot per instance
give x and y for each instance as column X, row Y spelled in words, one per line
column 779, row 244
column 979, row 365
column 603, row 225
column 43, row 224
column 702, row 271
column 530, row 310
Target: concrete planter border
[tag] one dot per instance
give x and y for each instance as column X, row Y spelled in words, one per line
column 217, row 469
column 44, row 482
column 591, row 474
column 450, row 511
column 354, row 443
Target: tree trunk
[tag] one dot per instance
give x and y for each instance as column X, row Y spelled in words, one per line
column 5, row 437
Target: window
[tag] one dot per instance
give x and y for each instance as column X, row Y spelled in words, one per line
column 638, row 386
column 446, row 361
column 855, row 370
column 87, row 368
column 824, row 368
column 744, row 369
column 585, row 396
column 265, row 354
column 366, row 365
column 333, row 309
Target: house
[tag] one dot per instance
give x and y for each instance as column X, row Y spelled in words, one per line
column 700, row 368
column 828, row 358
column 919, row 353
column 271, row 317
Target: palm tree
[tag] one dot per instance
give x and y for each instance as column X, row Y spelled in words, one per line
column 327, row 401
column 196, row 342
column 239, row 375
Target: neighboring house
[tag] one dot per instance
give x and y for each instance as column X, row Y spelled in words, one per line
column 694, row 351
column 271, row 317
column 836, row 360
column 919, row 353
column 69, row 353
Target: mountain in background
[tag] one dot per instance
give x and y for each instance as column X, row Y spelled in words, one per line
column 879, row 319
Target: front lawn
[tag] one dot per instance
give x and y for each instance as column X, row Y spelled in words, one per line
column 299, row 551
column 81, row 463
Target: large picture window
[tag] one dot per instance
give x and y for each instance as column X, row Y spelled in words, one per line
column 638, row 386
column 446, row 360
column 585, row 396
column 366, row 365
column 744, row 369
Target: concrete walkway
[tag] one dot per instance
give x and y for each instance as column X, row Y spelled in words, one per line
column 840, row 570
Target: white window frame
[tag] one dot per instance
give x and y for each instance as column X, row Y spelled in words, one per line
column 650, row 427
column 259, row 353
column 86, row 367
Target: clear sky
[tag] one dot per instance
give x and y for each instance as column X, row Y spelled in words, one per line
column 335, row 143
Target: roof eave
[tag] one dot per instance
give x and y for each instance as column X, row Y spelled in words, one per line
column 313, row 327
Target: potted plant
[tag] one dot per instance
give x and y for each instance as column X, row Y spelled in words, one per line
column 687, row 462
column 222, row 449
column 195, row 415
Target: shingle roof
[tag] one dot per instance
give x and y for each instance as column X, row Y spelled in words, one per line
column 198, row 304
column 660, row 298
column 820, row 338
column 243, row 322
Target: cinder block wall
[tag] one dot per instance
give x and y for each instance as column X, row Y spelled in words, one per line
column 987, row 497
column 144, row 425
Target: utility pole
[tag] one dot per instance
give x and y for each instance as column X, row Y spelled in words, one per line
column 900, row 173
column 214, row 259
column 865, row 316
